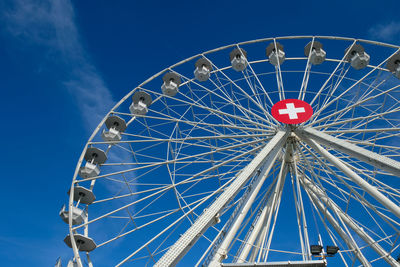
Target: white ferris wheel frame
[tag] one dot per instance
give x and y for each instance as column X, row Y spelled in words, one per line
column 314, row 137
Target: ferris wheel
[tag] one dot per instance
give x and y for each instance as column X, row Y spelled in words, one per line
column 272, row 152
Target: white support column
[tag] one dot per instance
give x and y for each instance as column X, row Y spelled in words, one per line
column 276, row 207
column 265, row 217
column 302, row 222
column 258, row 230
column 208, row 217
column 370, row 189
column 376, row 160
column 89, row 261
column 221, row 252
column 348, row 221
column 349, row 242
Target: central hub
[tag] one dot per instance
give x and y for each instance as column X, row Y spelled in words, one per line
column 292, row 111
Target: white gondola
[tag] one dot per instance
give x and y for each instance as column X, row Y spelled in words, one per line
column 140, row 103
column 397, row 72
column 393, row 65
column 83, row 243
column 83, row 195
column 94, row 157
column 171, row 84
column 357, row 57
column 78, row 215
column 203, row 69
column 89, row 170
column 112, row 135
column 238, row 59
column 275, row 53
column 116, row 126
column 318, row 54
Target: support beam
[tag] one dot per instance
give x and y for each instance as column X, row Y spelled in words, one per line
column 264, row 220
column 370, row 189
column 369, row 157
column 253, row 242
column 270, row 226
column 208, row 217
column 222, row 250
column 331, row 219
column 309, row 185
column 301, row 217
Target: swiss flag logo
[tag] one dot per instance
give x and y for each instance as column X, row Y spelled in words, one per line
column 291, row 111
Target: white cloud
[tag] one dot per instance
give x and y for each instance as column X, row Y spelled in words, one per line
column 386, row 32
column 51, row 25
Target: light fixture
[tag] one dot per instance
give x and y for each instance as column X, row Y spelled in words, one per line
column 331, row 250
column 316, row 249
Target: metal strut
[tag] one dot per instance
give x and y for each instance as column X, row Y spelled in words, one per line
column 376, row 160
column 264, row 220
column 370, row 189
column 263, row 224
column 331, row 219
column 207, row 218
column 309, row 185
column 221, row 251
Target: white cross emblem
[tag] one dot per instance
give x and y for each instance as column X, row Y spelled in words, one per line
column 291, row 111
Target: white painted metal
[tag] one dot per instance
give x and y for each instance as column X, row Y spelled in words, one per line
column 58, row 263
column 78, row 215
column 72, row 263
column 370, row 189
column 302, row 222
column 375, row 159
column 221, row 252
column 346, row 219
column 262, row 224
column 331, row 219
column 360, row 61
column 187, row 240
column 265, row 249
column 357, row 196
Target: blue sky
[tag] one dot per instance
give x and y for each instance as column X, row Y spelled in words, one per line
column 64, row 63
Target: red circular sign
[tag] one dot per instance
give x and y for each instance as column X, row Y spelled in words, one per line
column 292, row 111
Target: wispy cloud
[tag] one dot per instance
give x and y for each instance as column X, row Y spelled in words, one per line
column 47, row 28
column 386, row 32
column 50, row 25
